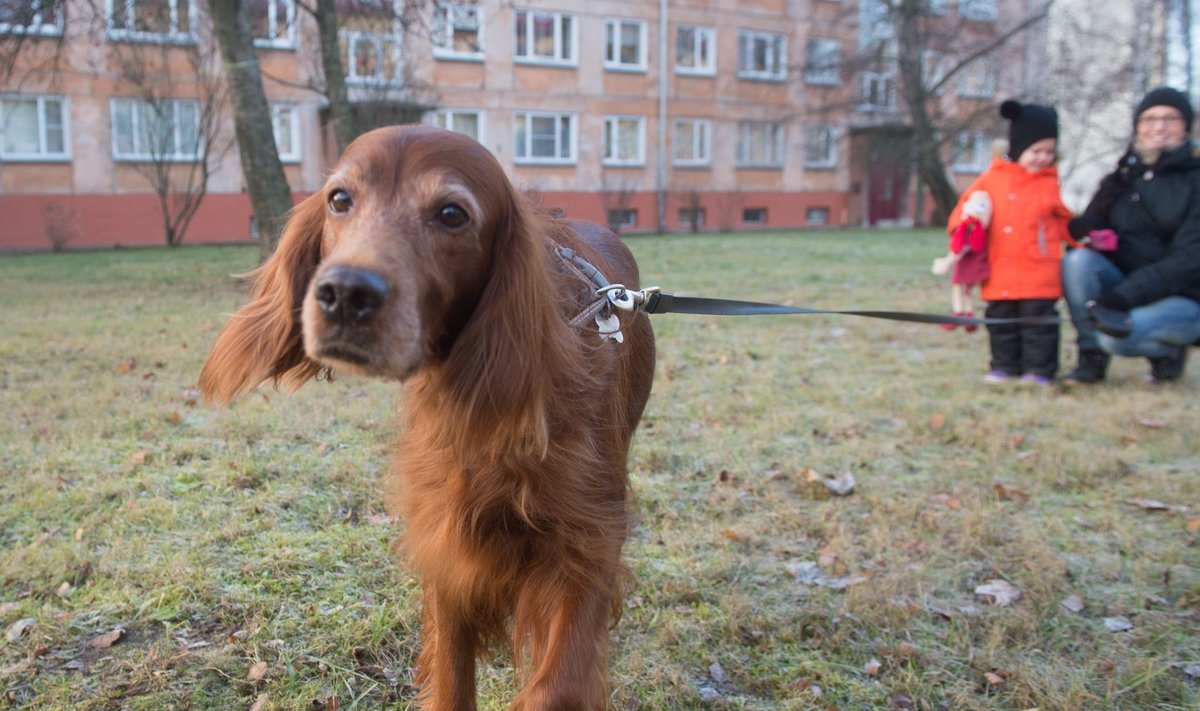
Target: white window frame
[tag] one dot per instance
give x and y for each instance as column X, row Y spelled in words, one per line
column 613, row 127
column 289, row 113
column 763, row 221
column 775, row 65
column 978, row 10
column 43, row 127
column 976, row 147
column 613, row 44
column 131, row 34
column 143, row 153
column 448, row 19
column 812, row 211
column 562, row 55
column 703, row 38
column 821, row 146
column 285, row 39
column 773, row 143
column 564, row 147
column 629, row 214
column 43, row 21
column 448, row 119
column 933, row 69
column 877, row 92
column 701, row 142
column 978, row 79
column 383, row 43
column 823, row 62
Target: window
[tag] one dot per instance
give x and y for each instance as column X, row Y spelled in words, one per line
column 625, row 45
column 544, row 138
column 623, row 140
column 371, row 58
column 933, row 70
column 545, row 37
column 978, row 79
column 286, row 123
column 691, row 216
column 876, row 25
column 622, row 218
column 878, row 92
column 754, row 215
column 691, row 142
column 978, row 10
column 34, row 128
column 820, row 147
column 760, row 144
column 762, row 55
column 156, row 130
column 816, row 216
column 823, row 62
column 972, row 152
column 457, row 31
column 465, row 121
column 695, row 50
column 32, row 17
column 272, row 22
column 151, row 20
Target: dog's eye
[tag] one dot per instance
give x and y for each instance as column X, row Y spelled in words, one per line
column 340, row 202
column 452, row 216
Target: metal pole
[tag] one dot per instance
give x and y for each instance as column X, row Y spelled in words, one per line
column 661, row 152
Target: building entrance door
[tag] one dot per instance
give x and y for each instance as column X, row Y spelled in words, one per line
column 887, row 186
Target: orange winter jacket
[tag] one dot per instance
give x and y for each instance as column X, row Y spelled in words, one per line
column 1026, row 235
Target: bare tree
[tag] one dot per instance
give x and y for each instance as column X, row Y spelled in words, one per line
column 172, row 128
column 270, row 196
column 910, row 55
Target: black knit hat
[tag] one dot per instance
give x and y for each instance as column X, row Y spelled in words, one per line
column 1166, row 96
column 1030, row 124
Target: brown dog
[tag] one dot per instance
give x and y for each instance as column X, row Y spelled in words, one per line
column 419, row 261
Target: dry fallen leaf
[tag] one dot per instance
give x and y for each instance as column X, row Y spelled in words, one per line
column 1118, row 624
column 257, row 671
column 18, row 629
column 950, row 502
column 1153, row 505
column 1005, row 493
column 141, row 456
column 125, row 366
column 1193, row 525
column 107, row 639
column 937, row 422
column 1001, row 591
column 260, row 703
column 1074, row 603
column 873, row 667
column 1151, row 422
column 716, row 672
column 993, row 679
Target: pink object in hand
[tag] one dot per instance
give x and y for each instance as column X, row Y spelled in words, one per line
column 1103, row 240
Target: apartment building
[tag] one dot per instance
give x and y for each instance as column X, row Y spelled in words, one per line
column 676, row 115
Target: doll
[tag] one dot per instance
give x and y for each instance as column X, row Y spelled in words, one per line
column 967, row 261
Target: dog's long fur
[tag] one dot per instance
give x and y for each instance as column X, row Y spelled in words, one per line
column 512, row 462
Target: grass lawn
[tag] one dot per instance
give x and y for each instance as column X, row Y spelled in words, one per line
column 160, row 554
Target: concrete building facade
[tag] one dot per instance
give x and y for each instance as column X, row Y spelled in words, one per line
column 675, row 115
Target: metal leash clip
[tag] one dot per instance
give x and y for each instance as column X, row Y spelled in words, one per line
column 626, row 299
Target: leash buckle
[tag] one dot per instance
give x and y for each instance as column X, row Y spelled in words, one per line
column 626, row 299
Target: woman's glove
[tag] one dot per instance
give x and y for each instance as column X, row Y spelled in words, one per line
column 1112, row 322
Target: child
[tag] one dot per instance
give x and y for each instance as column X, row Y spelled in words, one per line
column 1024, row 245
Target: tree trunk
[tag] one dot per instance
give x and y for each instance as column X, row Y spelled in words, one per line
column 345, row 126
column 270, row 196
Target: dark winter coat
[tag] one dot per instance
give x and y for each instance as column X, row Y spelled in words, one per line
column 1155, row 211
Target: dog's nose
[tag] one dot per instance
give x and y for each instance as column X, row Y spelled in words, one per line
column 348, row 295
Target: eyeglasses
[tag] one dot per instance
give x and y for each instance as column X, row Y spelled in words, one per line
column 1164, row 120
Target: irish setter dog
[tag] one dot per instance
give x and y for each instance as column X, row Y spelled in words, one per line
column 418, row 261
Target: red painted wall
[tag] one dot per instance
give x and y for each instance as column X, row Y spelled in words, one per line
column 92, row 221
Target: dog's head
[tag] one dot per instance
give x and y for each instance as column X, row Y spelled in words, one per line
column 380, row 271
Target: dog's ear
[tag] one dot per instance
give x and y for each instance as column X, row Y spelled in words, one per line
column 502, row 364
column 264, row 340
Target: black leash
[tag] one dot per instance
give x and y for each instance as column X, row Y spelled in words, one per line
column 653, row 300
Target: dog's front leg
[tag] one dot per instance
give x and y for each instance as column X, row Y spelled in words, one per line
column 569, row 664
column 446, row 665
